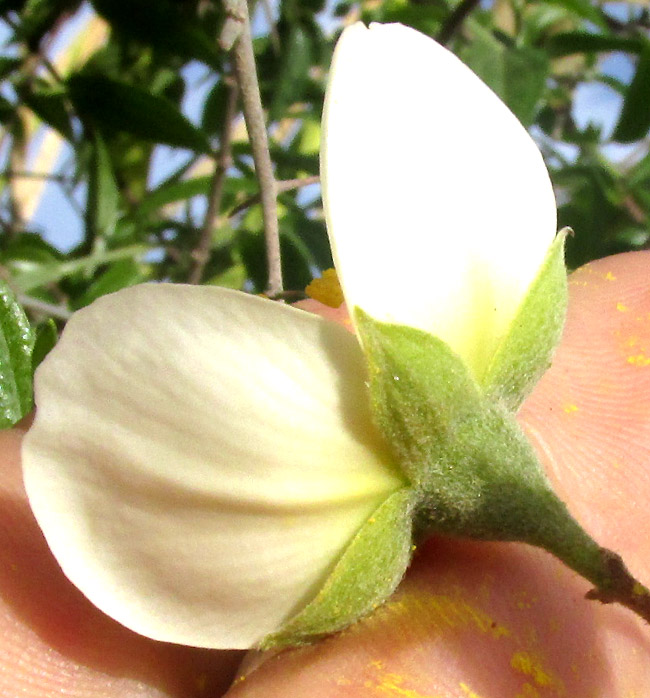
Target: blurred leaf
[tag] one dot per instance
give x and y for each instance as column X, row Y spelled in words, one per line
column 16, row 343
column 49, row 273
column 166, row 25
column 233, row 277
column 634, row 120
column 214, row 108
column 46, row 338
column 7, row 111
column 126, row 272
column 7, row 65
column 49, row 105
column 174, row 191
column 118, row 106
column 583, row 8
column 294, row 72
column 517, row 74
column 102, row 206
column 583, row 42
column 39, row 17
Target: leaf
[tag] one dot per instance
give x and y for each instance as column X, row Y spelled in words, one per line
column 525, row 352
column 294, row 72
column 182, row 190
column 49, row 106
column 566, row 43
column 118, row 106
column 46, row 338
column 7, row 65
column 634, row 121
column 163, row 24
column 16, row 343
column 517, row 74
column 50, row 273
column 214, row 108
column 121, row 274
column 102, row 207
column 366, row 574
column 168, row 193
column 583, row 8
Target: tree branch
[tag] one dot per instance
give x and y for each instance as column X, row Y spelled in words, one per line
column 455, row 20
column 39, row 306
column 281, row 187
column 201, row 253
column 244, row 61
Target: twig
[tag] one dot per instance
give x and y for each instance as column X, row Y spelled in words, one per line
column 244, row 60
column 201, row 253
column 50, row 176
column 455, row 19
column 39, row 306
column 281, row 187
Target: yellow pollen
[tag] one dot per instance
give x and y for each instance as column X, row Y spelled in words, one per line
column 326, row 289
column 570, row 408
column 622, row 308
column 638, row 360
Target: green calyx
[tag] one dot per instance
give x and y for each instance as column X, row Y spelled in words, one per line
column 366, row 575
column 471, row 470
column 525, row 353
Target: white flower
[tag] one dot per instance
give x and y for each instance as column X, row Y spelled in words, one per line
column 200, row 458
column 438, row 203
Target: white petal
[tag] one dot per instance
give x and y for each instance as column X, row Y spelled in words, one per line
column 438, row 203
column 200, row 458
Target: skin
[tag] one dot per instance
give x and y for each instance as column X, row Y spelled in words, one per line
column 470, row 620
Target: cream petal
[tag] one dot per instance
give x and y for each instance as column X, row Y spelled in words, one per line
column 200, row 458
column 438, row 203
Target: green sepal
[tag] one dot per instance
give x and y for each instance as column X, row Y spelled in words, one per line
column 473, row 472
column 16, row 343
column 472, row 468
column 525, row 352
column 366, row 574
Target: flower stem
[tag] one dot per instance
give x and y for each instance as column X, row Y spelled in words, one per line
column 605, row 569
column 538, row 517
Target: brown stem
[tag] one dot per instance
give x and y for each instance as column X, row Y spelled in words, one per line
column 246, row 72
column 455, row 20
column 621, row 587
column 201, row 254
column 281, row 187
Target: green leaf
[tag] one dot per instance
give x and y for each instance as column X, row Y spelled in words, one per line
column 215, row 107
column 103, row 195
column 7, row 65
column 583, row 8
column 517, row 74
column 165, row 24
column 364, row 577
column 118, row 106
column 46, row 338
column 173, row 191
column 567, row 43
column 50, row 273
column 525, row 352
column 634, row 121
column 121, row 274
column 294, row 72
column 16, row 343
column 49, row 105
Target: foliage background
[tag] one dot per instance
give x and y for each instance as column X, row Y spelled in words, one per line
column 133, row 120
